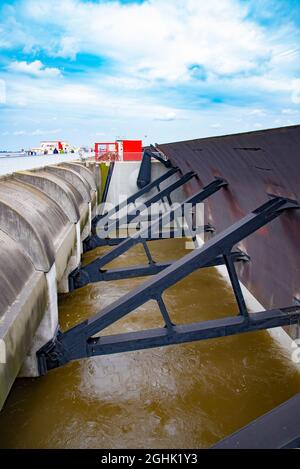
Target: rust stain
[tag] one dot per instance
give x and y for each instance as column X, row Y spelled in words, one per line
column 255, row 164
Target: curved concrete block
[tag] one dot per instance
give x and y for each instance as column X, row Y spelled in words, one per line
column 23, row 301
column 46, row 218
column 44, row 215
column 28, row 231
column 80, row 203
column 84, row 172
column 16, row 269
column 58, row 228
column 73, row 178
column 55, row 188
column 95, row 168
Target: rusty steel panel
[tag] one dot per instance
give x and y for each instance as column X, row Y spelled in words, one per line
column 255, row 164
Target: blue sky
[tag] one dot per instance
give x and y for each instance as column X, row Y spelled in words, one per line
column 160, row 70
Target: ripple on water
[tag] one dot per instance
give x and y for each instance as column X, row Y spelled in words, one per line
column 183, row 396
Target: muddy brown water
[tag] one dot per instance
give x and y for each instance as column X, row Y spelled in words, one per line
column 183, row 396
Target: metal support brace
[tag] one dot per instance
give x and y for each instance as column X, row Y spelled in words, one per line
column 80, row 278
column 144, row 176
column 132, row 199
column 236, row 285
column 80, row 341
column 155, row 153
column 147, row 251
column 92, row 242
column 104, row 230
column 164, row 312
column 92, row 272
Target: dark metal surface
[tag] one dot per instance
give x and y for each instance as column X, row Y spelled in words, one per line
column 92, row 273
column 103, row 229
column 254, row 164
column 279, row 428
column 80, row 277
column 79, row 342
column 93, row 242
column 144, row 176
column 103, row 218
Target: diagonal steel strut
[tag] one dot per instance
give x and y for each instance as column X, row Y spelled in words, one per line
column 79, row 278
column 78, row 342
column 92, row 241
column 154, row 184
column 92, row 273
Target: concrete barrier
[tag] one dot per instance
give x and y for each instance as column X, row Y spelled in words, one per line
column 45, row 214
column 55, row 188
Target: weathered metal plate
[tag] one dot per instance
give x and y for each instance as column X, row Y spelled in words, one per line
column 279, row 428
column 255, row 164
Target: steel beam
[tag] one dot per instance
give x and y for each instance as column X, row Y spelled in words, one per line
column 80, row 278
column 144, row 176
column 161, row 337
column 91, row 272
column 104, row 229
column 93, row 242
column 78, row 342
column 278, row 429
column 103, row 218
column 158, row 155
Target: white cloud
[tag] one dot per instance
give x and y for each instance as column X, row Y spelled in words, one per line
column 86, row 99
column 257, row 112
column 35, row 133
column 296, row 91
column 155, row 48
column 290, row 112
column 168, row 117
column 159, row 39
column 2, row 92
column 45, row 132
column 35, row 68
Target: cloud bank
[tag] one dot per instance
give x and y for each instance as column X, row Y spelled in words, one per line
column 168, row 69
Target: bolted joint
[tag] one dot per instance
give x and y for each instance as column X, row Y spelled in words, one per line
column 52, row 355
column 78, row 279
column 93, row 242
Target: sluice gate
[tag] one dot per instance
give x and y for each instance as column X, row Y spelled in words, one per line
column 254, row 164
column 79, row 342
column 50, row 216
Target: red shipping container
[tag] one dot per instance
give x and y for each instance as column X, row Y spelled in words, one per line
column 132, row 150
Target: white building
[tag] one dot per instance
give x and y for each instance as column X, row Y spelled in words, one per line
column 59, row 145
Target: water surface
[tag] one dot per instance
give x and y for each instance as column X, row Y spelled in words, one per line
column 183, row 396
